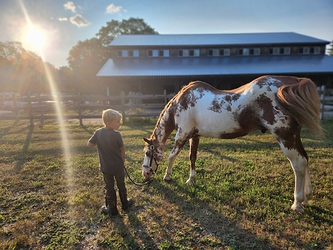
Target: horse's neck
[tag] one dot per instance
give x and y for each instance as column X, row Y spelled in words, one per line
column 164, row 127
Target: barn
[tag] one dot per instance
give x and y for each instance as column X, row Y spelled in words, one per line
column 151, row 64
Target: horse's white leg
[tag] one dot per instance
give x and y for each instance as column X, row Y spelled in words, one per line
column 194, row 143
column 291, row 145
column 307, row 187
column 180, row 139
column 299, row 165
column 172, row 156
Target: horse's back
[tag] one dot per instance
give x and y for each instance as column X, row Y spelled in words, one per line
column 236, row 112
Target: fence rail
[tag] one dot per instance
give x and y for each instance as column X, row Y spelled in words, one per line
column 326, row 99
column 80, row 106
column 85, row 107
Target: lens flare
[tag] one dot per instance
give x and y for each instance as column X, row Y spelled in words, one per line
column 37, row 37
column 34, row 37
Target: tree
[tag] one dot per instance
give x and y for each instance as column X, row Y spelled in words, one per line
column 21, row 71
column 87, row 57
column 115, row 28
column 85, row 60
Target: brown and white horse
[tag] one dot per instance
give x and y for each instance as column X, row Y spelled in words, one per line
column 279, row 104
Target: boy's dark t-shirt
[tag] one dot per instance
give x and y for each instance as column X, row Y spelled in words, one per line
column 108, row 143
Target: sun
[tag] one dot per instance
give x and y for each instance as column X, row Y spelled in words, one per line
column 35, row 37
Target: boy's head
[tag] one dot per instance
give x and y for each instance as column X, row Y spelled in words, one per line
column 110, row 115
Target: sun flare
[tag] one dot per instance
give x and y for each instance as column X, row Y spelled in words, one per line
column 35, row 37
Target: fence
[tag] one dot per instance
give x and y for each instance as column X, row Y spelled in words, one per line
column 80, row 106
column 326, row 99
column 84, row 107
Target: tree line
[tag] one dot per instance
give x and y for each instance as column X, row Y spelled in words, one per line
column 24, row 72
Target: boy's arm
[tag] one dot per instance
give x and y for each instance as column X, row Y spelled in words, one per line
column 122, row 151
column 90, row 145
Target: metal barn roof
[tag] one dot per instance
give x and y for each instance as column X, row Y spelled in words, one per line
column 215, row 39
column 217, row 66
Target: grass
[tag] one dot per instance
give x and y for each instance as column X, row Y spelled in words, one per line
column 241, row 198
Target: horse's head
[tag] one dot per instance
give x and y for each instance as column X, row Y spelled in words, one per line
column 150, row 162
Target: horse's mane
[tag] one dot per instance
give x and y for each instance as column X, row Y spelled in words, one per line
column 301, row 100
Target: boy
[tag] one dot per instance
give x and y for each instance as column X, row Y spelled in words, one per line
column 111, row 154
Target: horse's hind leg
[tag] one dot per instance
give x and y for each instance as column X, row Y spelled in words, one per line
column 292, row 147
column 194, row 143
column 307, row 187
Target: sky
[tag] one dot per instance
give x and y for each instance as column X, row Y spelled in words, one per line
column 51, row 28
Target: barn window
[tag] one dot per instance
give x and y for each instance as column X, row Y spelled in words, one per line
column 189, row 52
column 279, row 51
column 158, row 53
column 226, row 52
column 304, row 50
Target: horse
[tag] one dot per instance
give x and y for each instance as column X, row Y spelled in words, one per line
column 278, row 104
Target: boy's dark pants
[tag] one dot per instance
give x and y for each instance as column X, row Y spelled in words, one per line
column 110, row 197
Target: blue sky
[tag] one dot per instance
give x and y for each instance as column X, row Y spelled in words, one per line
column 63, row 23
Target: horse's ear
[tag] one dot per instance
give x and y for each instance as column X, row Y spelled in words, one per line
column 146, row 140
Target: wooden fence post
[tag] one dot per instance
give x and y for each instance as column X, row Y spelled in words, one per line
column 30, row 110
column 322, row 101
column 79, row 108
column 122, row 99
column 16, row 111
column 41, row 110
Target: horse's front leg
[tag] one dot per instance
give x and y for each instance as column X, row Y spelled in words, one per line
column 172, row 156
column 194, row 144
column 180, row 139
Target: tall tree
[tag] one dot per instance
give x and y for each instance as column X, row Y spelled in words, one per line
column 115, row 28
column 87, row 57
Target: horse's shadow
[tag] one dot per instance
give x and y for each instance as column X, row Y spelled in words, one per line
column 211, row 220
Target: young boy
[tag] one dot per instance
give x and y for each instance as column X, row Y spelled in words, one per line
column 111, row 154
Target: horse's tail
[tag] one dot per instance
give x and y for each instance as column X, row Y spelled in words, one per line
column 301, row 101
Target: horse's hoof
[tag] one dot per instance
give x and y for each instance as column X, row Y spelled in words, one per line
column 190, row 182
column 306, row 203
column 297, row 208
column 167, row 178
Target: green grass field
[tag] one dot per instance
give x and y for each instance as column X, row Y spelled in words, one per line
column 241, row 198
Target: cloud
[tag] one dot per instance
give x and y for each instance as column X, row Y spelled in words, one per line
column 62, row 19
column 113, row 9
column 70, row 6
column 79, row 21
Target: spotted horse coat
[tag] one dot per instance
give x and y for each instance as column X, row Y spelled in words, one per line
column 278, row 104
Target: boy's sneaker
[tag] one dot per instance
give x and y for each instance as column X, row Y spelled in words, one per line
column 105, row 209
column 130, row 202
column 108, row 210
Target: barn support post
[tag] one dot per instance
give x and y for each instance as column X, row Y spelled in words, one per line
column 165, row 97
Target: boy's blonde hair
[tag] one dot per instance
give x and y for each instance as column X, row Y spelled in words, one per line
column 110, row 115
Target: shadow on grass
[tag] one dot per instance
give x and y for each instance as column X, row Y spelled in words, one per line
column 226, row 230
column 124, row 232
column 211, row 221
column 24, row 151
